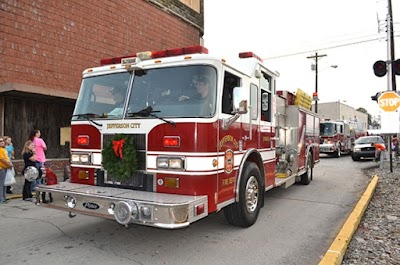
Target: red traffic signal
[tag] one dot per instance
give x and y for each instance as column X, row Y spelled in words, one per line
column 396, row 67
column 380, row 68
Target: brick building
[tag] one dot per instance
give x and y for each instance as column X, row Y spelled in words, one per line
column 45, row 46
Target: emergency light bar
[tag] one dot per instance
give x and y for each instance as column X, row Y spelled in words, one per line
column 157, row 54
column 115, row 60
column 130, row 60
column 244, row 55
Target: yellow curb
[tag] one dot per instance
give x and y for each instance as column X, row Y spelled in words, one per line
column 335, row 253
column 17, row 196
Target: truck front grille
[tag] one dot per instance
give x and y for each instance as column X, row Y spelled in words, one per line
column 140, row 180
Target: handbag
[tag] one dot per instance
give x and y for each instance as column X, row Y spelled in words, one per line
column 10, row 177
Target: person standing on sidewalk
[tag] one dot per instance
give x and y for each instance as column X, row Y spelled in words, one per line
column 40, row 147
column 10, row 152
column 5, row 164
column 395, row 147
column 379, row 148
column 28, row 154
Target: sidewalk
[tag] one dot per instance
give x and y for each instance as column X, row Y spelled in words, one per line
column 17, row 187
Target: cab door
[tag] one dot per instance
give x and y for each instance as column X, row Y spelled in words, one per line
column 266, row 128
column 229, row 140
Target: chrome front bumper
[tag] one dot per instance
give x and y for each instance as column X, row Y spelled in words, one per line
column 327, row 148
column 127, row 206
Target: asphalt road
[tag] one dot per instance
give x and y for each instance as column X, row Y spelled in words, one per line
column 296, row 226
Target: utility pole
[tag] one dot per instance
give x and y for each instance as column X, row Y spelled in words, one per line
column 316, row 57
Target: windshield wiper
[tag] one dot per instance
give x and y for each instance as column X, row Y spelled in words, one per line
column 142, row 113
column 148, row 112
column 88, row 117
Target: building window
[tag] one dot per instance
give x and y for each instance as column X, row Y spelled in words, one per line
column 193, row 4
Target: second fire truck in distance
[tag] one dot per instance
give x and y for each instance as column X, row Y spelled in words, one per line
column 166, row 138
column 337, row 137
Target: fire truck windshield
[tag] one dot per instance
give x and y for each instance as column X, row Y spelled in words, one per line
column 327, row 129
column 171, row 92
column 102, row 96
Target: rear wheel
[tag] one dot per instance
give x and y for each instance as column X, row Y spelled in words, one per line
column 244, row 213
column 308, row 175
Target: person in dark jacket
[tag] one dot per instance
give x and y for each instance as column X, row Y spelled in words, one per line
column 28, row 154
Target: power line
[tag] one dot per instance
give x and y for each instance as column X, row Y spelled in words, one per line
column 326, row 48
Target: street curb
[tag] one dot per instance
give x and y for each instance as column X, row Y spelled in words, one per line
column 334, row 255
column 18, row 196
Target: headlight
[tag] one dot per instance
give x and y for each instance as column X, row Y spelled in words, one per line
column 80, row 158
column 162, row 162
column 85, row 159
column 357, row 149
column 171, row 162
column 74, row 158
column 175, row 163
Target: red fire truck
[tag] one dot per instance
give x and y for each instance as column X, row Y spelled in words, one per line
column 337, row 137
column 168, row 154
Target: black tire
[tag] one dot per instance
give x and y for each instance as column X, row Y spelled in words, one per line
column 244, row 213
column 308, row 175
column 355, row 158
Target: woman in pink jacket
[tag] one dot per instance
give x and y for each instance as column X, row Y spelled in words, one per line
column 40, row 147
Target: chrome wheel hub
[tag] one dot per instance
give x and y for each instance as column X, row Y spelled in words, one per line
column 252, row 193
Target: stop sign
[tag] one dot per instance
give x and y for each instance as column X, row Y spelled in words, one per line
column 389, row 101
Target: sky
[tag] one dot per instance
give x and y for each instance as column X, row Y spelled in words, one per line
column 285, row 32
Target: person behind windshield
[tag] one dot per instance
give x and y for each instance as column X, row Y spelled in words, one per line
column 202, row 84
column 119, row 98
column 202, row 87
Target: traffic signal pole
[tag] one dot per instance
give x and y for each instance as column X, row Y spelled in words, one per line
column 391, row 72
column 392, row 68
column 390, row 49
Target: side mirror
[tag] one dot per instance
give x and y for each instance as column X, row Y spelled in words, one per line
column 239, row 104
column 264, row 102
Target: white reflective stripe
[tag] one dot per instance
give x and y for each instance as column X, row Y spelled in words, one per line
column 205, row 163
column 85, row 150
column 268, row 155
column 186, row 173
column 84, row 166
column 183, row 153
column 200, row 163
column 191, row 163
column 97, row 158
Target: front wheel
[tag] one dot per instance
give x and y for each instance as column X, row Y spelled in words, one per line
column 244, row 213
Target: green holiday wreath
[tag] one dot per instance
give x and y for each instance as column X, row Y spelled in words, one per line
column 119, row 157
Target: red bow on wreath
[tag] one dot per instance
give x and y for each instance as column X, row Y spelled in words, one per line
column 117, row 146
